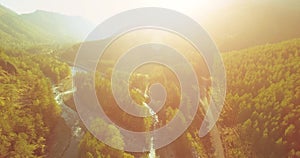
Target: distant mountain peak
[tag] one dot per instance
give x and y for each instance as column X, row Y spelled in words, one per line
column 63, row 26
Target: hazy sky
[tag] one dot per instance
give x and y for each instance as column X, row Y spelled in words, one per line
column 98, row 10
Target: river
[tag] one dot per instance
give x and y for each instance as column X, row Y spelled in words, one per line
column 152, row 153
column 68, row 132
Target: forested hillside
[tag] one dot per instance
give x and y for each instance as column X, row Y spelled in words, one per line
column 263, row 101
column 250, row 23
column 260, row 116
column 63, row 27
column 28, row 110
column 17, row 33
column 40, row 29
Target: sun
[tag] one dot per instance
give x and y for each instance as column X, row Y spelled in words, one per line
column 193, row 6
column 96, row 11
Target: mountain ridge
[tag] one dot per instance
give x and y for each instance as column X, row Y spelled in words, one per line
column 14, row 31
column 63, row 26
column 24, row 31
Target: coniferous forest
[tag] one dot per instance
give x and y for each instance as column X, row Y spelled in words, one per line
column 38, row 115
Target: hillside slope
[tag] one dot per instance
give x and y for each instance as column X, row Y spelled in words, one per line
column 248, row 24
column 262, row 102
column 64, row 27
column 16, row 32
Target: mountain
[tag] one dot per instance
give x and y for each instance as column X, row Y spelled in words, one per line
column 237, row 26
column 250, row 23
column 16, row 32
column 39, row 29
column 63, row 27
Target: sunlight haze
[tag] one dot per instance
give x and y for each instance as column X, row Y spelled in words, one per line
column 97, row 11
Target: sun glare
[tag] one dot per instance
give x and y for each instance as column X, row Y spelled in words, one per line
column 194, row 6
column 189, row 7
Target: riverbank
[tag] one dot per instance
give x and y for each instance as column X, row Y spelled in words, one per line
column 65, row 138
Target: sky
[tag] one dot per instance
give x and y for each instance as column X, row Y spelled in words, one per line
column 99, row 10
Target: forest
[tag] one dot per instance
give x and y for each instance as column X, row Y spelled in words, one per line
column 39, row 118
column 261, row 113
column 28, row 109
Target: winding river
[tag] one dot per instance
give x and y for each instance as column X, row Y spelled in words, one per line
column 66, row 146
column 68, row 131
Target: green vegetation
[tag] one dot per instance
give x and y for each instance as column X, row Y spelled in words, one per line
column 260, row 118
column 28, row 110
column 92, row 147
column 261, row 113
column 263, row 98
column 39, row 30
column 63, row 28
column 17, row 33
column 52, row 68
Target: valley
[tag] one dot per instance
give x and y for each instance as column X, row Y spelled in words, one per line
column 260, row 117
